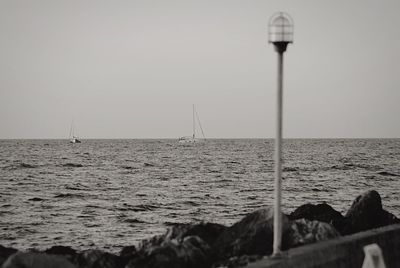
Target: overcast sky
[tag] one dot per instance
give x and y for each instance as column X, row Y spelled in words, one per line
column 133, row 69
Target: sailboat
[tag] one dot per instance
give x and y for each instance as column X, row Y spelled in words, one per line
column 72, row 137
column 192, row 139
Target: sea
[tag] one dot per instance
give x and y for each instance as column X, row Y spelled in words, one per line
column 108, row 194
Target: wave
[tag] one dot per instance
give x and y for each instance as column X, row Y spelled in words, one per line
column 137, row 208
column 133, row 221
column 128, row 167
column 21, row 165
column 68, row 195
column 385, row 173
column 72, row 165
column 290, row 169
column 36, row 199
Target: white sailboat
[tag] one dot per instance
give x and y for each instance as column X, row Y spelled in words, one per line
column 72, row 137
column 192, row 139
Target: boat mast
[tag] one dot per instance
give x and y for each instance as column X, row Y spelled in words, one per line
column 71, row 130
column 194, row 127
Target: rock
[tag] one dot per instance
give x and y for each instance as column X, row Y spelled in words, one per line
column 253, row 235
column 36, row 260
column 366, row 213
column 306, row 232
column 5, row 253
column 128, row 253
column 191, row 252
column 238, row 261
column 98, row 259
column 320, row 212
column 208, row 232
column 66, row 252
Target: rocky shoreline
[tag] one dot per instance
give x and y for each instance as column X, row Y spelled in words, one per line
column 215, row 245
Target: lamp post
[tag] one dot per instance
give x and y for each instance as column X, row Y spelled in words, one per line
column 280, row 35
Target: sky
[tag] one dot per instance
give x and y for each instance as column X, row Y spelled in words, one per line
column 133, row 69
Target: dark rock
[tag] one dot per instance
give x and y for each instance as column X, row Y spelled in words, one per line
column 98, row 259
column 191, row 252
column 320, row 212
column 208, row 232
column 252, row 235
column 306, row 232
column 128, row 253
column 236, row 261
column 36, row 260
column 366, row 213
column 67, row 252
column 5, row 253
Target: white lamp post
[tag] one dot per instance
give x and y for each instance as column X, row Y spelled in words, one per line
column 280, row 35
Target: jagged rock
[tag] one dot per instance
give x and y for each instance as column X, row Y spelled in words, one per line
column 366, row 212
column 36, row 260
column 306, row 232
column 5, row 253
column 320, row 212
column 252, row 235
column 191, row 252
column 66, row 252
column 235, row 261
column 98, row 259
column 128, row 251
column 208, row 232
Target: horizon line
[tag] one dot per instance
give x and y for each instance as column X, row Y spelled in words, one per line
column 211, row 138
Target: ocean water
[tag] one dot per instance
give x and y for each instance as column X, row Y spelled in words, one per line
column 111, row 193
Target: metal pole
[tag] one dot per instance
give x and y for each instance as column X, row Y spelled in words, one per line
column 278, row 162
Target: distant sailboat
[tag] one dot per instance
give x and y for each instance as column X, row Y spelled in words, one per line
column 72, row 137
column 191, row 139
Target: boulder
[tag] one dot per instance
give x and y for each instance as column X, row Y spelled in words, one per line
column 98, row 259
column 127, row 253
column 191, row 252
column 366, row 213
column 208, row 232
column 5, row 253
column 66, row 252
column 253, row 235
column 36, row 260
column 236, row 261
column 306, row 232
column 320, row 212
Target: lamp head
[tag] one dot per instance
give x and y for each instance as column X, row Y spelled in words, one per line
column 280, row 31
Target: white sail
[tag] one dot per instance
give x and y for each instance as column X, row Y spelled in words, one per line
column 191, row 139
column 72, row 137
